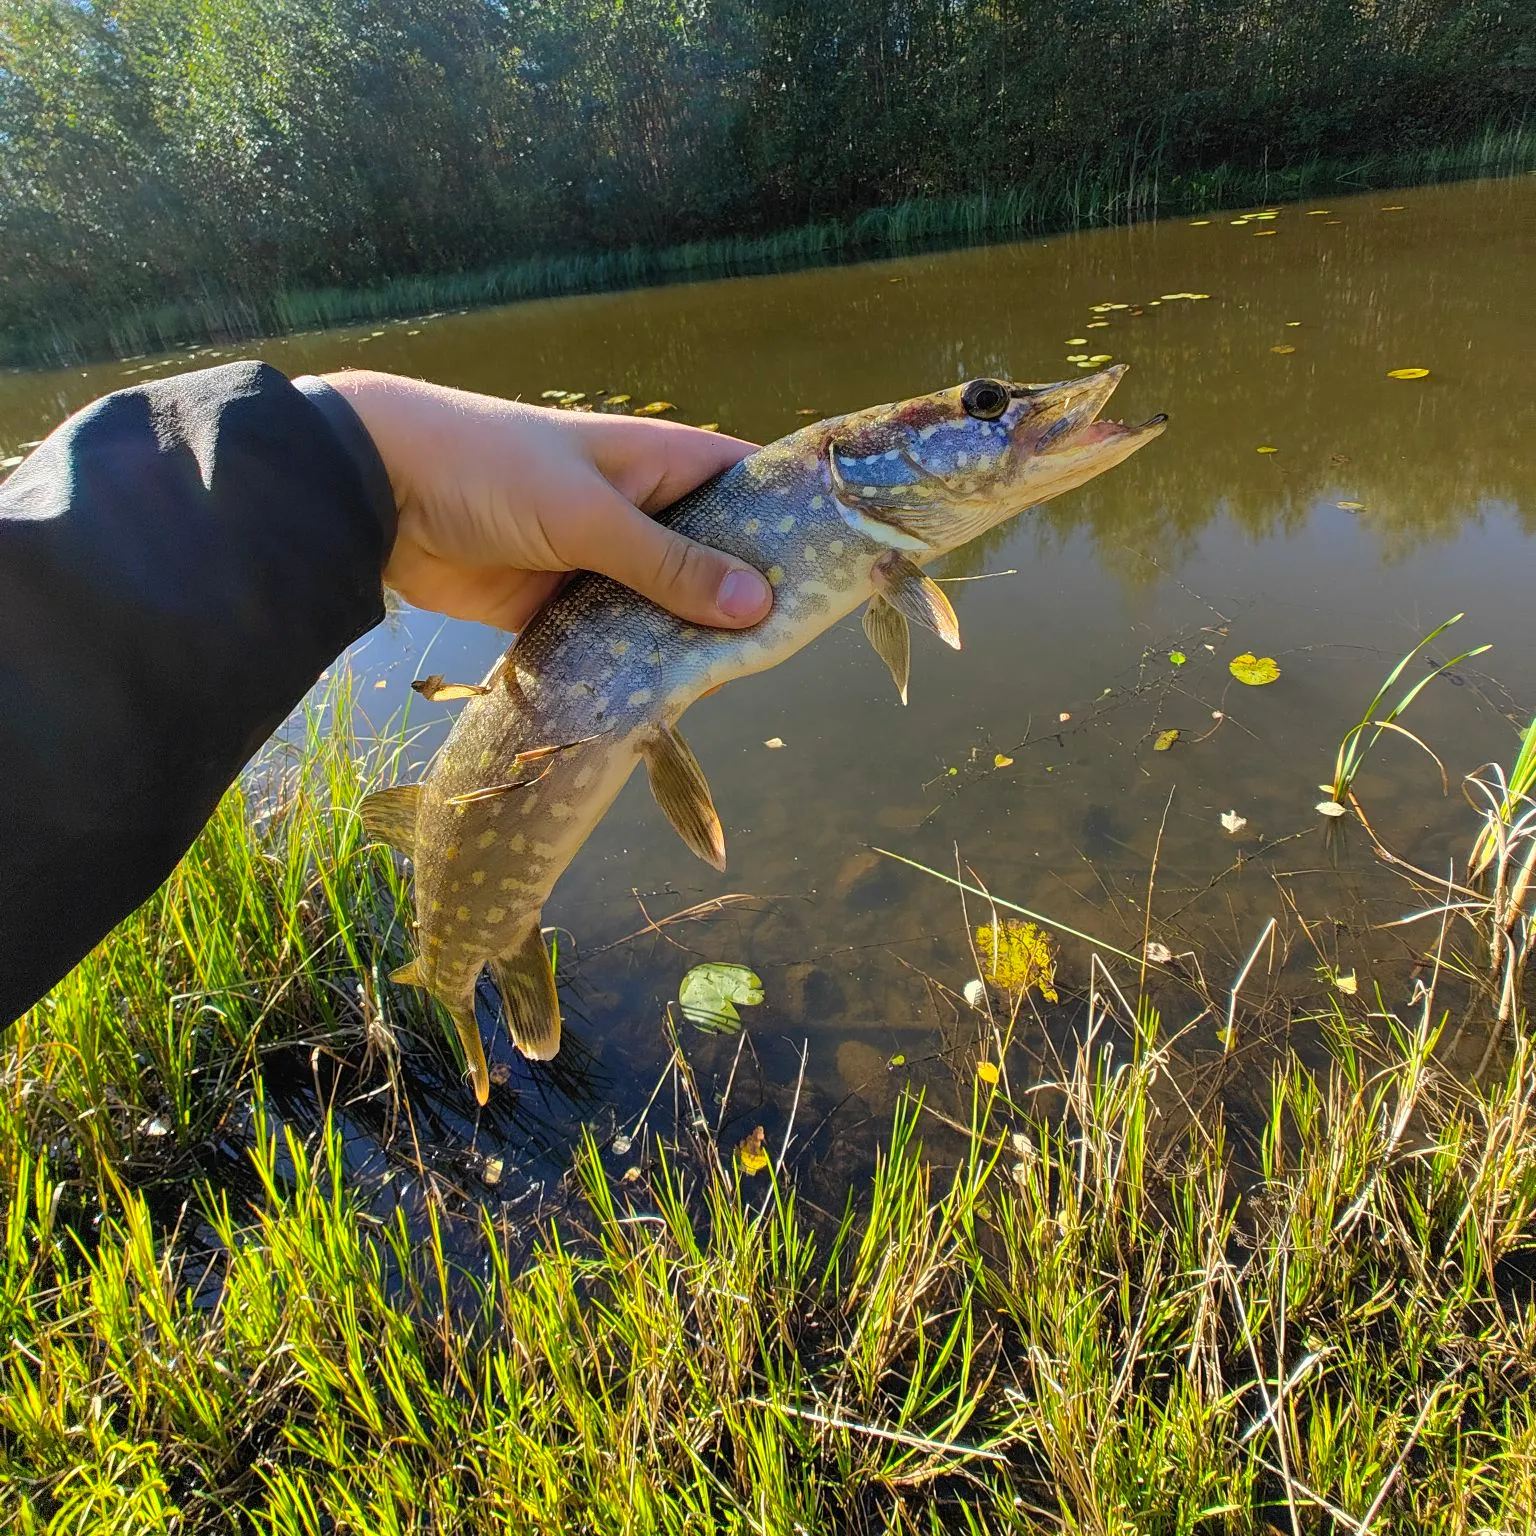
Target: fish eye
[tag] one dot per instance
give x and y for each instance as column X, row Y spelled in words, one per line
column 985, row 399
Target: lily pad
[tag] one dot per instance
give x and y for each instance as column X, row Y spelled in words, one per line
column 1001, row 760
column 751, row 1154
column 655, row 408
column 1253, row 670
column 1178, row 658
column 710, row 993
column 1165, row 740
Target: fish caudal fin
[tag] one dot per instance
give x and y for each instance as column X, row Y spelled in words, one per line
column 390, row 817
column 682, row 792
column 527, row 987
column 891, row 636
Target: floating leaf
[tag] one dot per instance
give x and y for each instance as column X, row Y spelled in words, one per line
column 710, row 992
column 617, row 399
column 952, row 772
column 382, row 683
column 1097, row 325
column 1002, row 762
column 1198, row 223
column 1408, row 373
column 1232, row 822
column 751, row 1156
column 622, row 1144
column 1077, row 341
column 435, row 691
column 1313, row 213
column 571, row 396
column 1283, row 350
column 774, row 743
column 1018, row 956
column 1292, row 324
column 1178, row 658
column 1256, row 671
column 1064, row 716
column 12, row 461
column 491, row 1171
column 1266, row 449
column 1393, row 208
column 805, row 410
column 1158, row 954
column 898, row 1060
column 986, row 1072
column 1165, row 740
column 1347, row 983
column 975, row 992
column 1350, row 506
column 709, row 426
column 655, row 408
column 1329, row 808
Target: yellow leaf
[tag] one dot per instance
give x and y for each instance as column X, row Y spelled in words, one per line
column 1076, row 341
column 1313, row 213
column 1253, row 670
column 986, row 1072
column 774, row 743
column 1017, row 956
column 1165, row 740
column 1258, row 232
column 1266, row 449
column 655, row 408
column 709, row 426
column 1198, row 223
column 1101, row 357
column 1350, row 506
column 1408, row 373
column 751, row 1156
column 1284, row 349
column 1347, row 983
column 616, row 400
column 1393, row 208
column 1002, row 762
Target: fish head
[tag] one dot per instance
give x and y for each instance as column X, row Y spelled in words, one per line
column 932, row 473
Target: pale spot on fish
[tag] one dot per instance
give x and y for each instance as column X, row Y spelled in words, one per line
column 463, row 916
column 811, row 557
column 486, row 838
column 835, row 547
column 961, row 460
column 516, row 843
column 530, row 800
column 869, row 490
column 640, row 696
column 478, row 878
column 583, row 778
column 495, row 914
column 561, row 811
column 783, row 525
column 457, row 885
column 545, row 850
column 926, row 433
column 619, row 647
column 775, row 574
column 451, row 851
column 436, row 906
column 751, row 525
column 817, row 503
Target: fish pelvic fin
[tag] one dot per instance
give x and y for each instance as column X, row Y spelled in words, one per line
column 409, row 974
column 917, row 597
column 389, row 816
column 891, row 636
column 467, row 1028
column 682, row 791
column 527, row 986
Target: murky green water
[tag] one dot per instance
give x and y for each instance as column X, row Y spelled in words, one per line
column 1385, row 507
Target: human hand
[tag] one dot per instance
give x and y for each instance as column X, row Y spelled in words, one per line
column 499, row 501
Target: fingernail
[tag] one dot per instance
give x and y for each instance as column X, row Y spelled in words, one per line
column 743, row 594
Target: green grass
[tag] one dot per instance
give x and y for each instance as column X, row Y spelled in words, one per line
column 1101, row 1309
column 1130, row 189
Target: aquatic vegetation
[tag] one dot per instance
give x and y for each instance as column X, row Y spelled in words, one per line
column 1356, row 745
column 710, row 994
column 1255, row 671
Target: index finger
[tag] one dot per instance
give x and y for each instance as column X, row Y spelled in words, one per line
column 653, row 463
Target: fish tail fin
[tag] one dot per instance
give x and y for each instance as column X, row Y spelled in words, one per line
column 527, row 987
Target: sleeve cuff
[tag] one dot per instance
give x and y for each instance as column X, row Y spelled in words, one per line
column 354, row 437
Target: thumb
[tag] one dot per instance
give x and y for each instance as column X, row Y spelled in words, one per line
column 695, row 582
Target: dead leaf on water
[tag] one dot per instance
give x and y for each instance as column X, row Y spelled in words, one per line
column 1232, row 822
column 616, row 399
column 1284, row 349
column 1266, row 448
column 975, row 992
column 1350, row 506
column 774, row 743
column 491, row 1170
column 1198, row 223
column 382, row 683
column 1393, row 208
column 1158, row 954
column 1347, row 983
column 1408, row 373
column 1313, row 213
column 1018, row 956
column 1002, row 762
column 709, row 426
column 435, row 691
column 1255, row 671
column 1064, row 716
column 751, row 1156
column 1165, row 740
column 655, row 408
column 805, row 410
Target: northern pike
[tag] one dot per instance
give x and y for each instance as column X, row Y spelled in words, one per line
column 838, row 514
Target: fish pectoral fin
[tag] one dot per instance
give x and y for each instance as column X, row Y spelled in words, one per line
column 916, row 596
column 389, row 816
column 435, row 691
column 527, row 987
column 891, row 637
column 681, row 791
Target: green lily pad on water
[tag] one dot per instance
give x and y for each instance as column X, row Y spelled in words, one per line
column 710, row 993
column 1256, row 671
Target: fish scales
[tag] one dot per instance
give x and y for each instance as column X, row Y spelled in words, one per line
column 839, row 514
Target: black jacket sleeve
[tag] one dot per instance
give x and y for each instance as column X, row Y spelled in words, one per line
column 178, row 563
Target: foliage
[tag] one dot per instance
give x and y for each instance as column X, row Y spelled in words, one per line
column 209, row 166
column 1017, row 956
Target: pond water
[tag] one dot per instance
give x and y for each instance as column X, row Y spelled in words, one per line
column 1303, row 505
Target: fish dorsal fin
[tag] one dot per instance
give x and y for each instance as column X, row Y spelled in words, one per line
column 389, row 816
column 527, row 987
column 891, row 637
column 916, row 596
column 681, row 791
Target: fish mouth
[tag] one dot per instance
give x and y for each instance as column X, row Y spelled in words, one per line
column 1066, row 416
